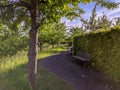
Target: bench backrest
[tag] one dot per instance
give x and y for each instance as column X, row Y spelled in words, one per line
column 87, row 56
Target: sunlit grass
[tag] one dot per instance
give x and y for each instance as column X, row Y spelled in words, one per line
column 50, row 51
column 13, row 73
column 11, row 62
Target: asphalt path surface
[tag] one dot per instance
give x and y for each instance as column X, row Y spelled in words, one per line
column 65, row 67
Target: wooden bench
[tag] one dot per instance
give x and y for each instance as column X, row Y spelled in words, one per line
column 84, row 58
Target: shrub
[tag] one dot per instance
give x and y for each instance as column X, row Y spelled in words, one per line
column 104, row 48
column 12, row 44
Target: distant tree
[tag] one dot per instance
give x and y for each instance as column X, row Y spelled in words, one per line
column 91, row 23
column 52, row 33
column 117, row 21
column 42, row 38
column 95, row 23
column 4, row 31
column 76, row 31
column 73, row 32
column 103, row 22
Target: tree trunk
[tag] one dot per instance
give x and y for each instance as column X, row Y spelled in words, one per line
column 33, row 45
column 41, row 46
column 52, row 45
column 32, row 57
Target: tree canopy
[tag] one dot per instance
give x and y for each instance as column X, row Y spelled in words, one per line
column 48, row 10
column 52, row 33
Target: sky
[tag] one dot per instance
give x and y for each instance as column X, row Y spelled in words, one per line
column 99, row 11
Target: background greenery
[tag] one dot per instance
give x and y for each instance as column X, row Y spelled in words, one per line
column 10, row 46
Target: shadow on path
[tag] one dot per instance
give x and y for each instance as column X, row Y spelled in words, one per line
column 81, row 79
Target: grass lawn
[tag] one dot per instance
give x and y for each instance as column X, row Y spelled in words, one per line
column 13, row 73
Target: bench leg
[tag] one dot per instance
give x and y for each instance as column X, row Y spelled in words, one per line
column 83, row 64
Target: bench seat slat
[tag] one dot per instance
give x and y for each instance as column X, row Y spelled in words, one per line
column 81, row 58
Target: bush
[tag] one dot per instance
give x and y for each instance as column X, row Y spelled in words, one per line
column 104, row 48
column 12, row 44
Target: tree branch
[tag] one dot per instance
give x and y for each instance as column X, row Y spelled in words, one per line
column 12, row 4
column 8, row 5
column 25, row 4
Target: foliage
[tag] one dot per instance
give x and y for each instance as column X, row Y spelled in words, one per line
column 10, row 46
column 95, row 23
column 76, row 31
column 91, row 23
column 52, row 33
column 104, row 22
column 73, row 32
column 12, row 41
column 104, row 48
column 117, row 21
column 49, row 10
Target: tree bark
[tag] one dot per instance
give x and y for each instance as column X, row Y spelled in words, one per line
column 41, row 46
column 32, row 58
column 33, row 46
column 52, row 45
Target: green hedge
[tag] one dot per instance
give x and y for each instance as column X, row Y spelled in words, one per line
column 104, row 48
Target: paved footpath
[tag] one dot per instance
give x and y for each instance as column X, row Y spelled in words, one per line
column 81, row 79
